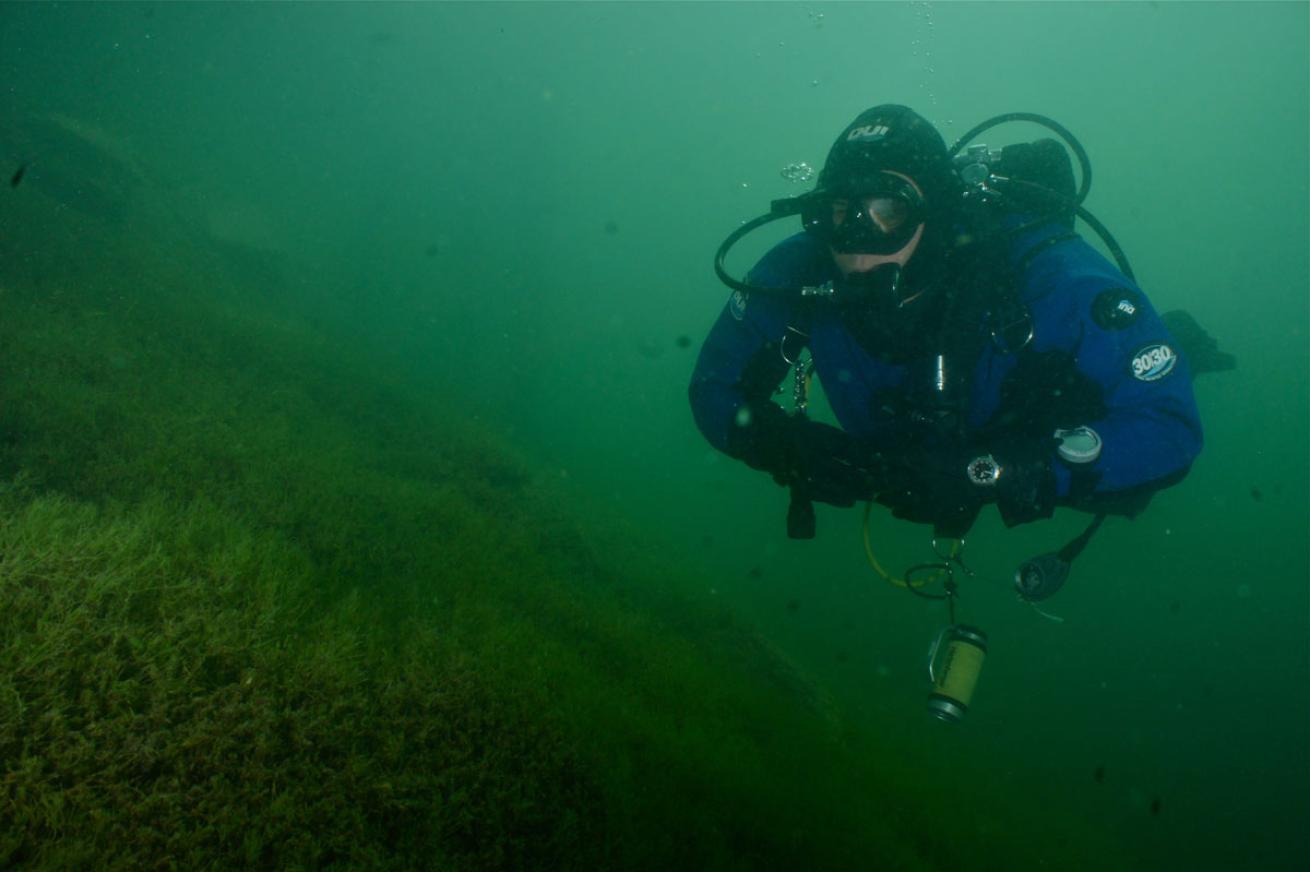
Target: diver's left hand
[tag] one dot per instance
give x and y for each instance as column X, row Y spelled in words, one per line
column 1025, row 490
column 931, row 487
column 947, row 487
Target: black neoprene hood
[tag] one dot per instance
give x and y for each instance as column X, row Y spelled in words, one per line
column 895, row 138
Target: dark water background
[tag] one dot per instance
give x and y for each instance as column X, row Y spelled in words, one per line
column 516, row 205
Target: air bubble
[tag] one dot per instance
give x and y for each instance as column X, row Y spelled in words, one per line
column 799, row 171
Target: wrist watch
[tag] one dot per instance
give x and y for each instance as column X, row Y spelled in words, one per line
column 983, row 471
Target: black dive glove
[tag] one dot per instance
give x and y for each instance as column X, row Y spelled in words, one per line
column 816, row 461
column 932, row 487
column 1025, row 487
column 947, row 487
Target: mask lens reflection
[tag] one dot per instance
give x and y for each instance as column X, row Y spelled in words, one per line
column 887, row 213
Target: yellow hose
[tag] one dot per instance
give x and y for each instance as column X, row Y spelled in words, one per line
column 877, row 567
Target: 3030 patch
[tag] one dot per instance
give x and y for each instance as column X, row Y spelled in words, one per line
column 1153, row 362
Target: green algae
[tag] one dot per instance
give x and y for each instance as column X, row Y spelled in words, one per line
column 264, row 604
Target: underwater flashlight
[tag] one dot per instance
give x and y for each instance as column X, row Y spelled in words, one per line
column 954, row 662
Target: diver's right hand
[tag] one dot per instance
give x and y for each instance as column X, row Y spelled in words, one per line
column 819, row 462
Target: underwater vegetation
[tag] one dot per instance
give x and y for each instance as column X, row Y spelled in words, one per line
column 262, row 604
column 167, row 700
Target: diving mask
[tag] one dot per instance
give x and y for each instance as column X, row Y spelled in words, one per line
column 879, row 215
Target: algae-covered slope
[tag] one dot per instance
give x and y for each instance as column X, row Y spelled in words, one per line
column 264, row 605
column 167, row 700
column 261, row 606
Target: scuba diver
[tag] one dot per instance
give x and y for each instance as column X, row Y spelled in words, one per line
column 973, row 347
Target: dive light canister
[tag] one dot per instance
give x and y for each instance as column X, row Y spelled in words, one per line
column 954, row 662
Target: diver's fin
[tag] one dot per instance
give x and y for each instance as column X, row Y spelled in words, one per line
column 1200, row 348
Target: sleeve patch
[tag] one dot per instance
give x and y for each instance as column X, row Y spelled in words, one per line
column 1153, row 362
column 1116, row 308
column 737, row 305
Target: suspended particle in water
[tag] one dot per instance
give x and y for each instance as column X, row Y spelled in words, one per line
column 799, row 171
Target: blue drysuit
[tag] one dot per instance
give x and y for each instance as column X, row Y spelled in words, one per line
column 1081, row 307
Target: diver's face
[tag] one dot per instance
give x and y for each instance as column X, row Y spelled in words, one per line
column 887, row 216
column 858, row 263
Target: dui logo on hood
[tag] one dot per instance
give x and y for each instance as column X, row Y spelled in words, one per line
column 868, row 131
column 1154, row 362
